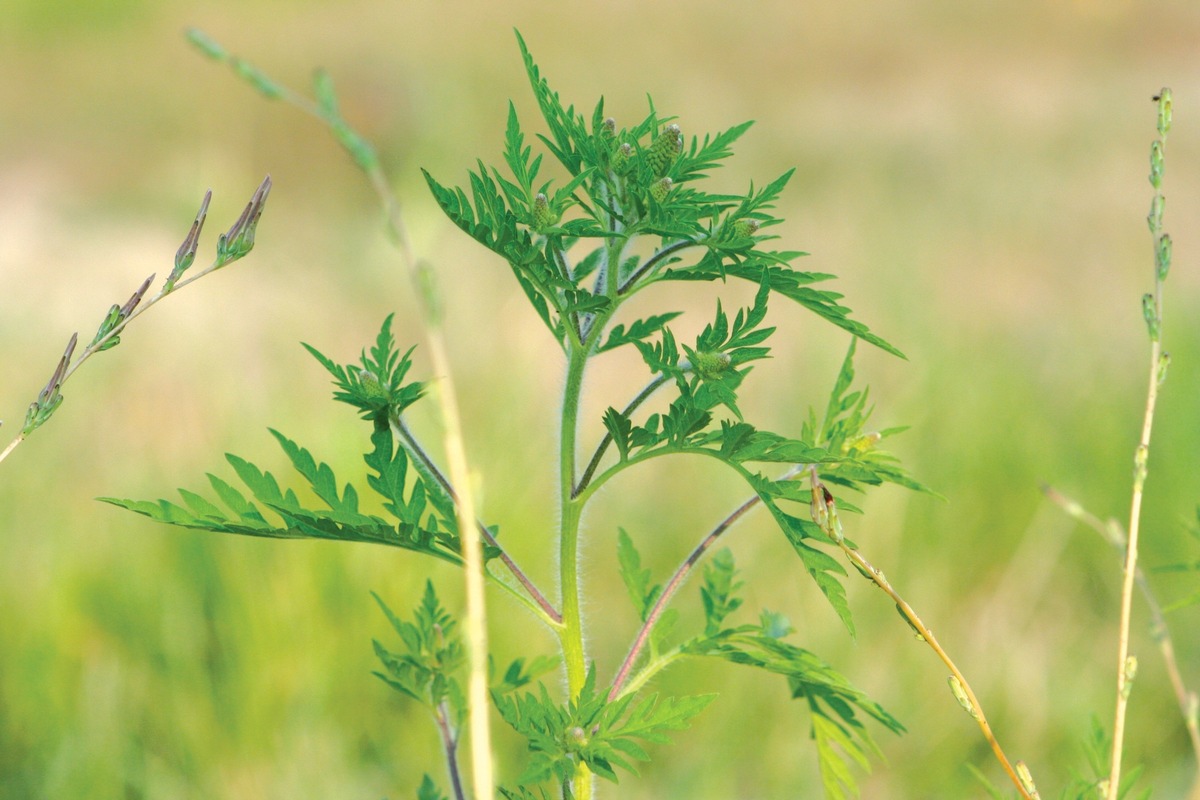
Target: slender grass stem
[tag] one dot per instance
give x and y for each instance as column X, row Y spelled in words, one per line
column 1124, row 676
column 483, row 778
column 1112, row 533
column 1152, row 309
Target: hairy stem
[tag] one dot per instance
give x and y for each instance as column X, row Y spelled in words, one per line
column 570, row 512
column 601, row 448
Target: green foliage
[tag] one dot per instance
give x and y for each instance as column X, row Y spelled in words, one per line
column 592, row 730
column 570, row 241
column 637, row 580
column 418, row 523
column 1097, row 747
column 376, row 387
column 433, row 654
column 834, row 705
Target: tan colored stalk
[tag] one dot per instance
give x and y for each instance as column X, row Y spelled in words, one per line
column 1186, row 698
column 482, row 774
column 1152, row 306
column 825, row 514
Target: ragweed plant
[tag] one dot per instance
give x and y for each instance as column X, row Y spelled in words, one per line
column 626, row 211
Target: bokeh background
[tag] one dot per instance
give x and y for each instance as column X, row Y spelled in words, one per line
column 975, row 173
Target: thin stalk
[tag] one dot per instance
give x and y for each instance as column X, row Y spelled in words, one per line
column 547, row 610
column 677, row 579
column 1124, row 676
column 422, row 278
column 450, row 749
column 483, row 777
column 1152, row 310
column 824, row 511
column 976, row 710
column 1112, row 533
column 652, row 262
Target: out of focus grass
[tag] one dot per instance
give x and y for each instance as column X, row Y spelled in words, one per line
column 975, row 174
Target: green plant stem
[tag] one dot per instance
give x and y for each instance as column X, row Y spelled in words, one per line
column 1130, row 575
column 632, row 281
column 601, row 448
column 876, row 575
column 571, row 509
column 1112, row 533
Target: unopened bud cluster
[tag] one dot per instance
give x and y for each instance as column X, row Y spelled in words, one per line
column 664, row 150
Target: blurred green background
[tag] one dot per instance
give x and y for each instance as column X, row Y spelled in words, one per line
column 975, row 173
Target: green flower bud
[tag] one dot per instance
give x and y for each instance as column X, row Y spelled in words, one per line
column 1026, row 779
column 712, row 365
column 664, row 150
column 543, row 216
column 608, row 129
column 256, row 78
column 621, row 159
column 371, row 386
column 861, row 444
column 1150, row 314
column 661, row 188
column 960, row 694
column 206, row 45
column 1162, row 256
column 1156, row 164
column 186, row 253
column 1164, row 111
column 1129, row 673
column 745, row 228
column 1154, row 218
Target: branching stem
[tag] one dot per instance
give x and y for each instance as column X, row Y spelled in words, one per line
column 677, row 579
column 417, row 451
column 601, row 448
column 651, row 263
